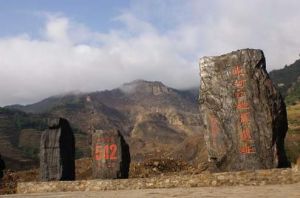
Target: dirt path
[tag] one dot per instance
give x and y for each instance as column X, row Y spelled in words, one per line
column 274, row 191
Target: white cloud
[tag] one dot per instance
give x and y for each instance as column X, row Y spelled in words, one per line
column 57, row 29
column 204, row 28
column 36, row 68
column 269, row 25
column 158, row 40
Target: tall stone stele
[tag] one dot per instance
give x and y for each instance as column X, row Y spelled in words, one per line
column 244, row 115
column 57, row 151
column 110, row 154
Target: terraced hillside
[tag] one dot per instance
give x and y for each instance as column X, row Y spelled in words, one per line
column 293, row 136
column 12, row 123
column 286, row 77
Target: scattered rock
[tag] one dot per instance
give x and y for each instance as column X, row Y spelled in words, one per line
column 156, row 167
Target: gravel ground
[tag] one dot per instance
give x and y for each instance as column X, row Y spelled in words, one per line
column 274, row 191
column 245, row 178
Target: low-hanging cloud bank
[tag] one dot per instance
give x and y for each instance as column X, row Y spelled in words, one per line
column 70, row 56
column 69, row 59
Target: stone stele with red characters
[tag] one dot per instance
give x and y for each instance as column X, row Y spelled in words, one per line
column 243, row 113
column 110, row 154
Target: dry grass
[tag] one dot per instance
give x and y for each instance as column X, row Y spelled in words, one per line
column 293, row 136
column 11, row 179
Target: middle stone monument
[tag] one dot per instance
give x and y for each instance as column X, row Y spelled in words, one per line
column 244, row 115
column 110, row 154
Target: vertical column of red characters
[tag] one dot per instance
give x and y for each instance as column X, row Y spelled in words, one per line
column 242, row 107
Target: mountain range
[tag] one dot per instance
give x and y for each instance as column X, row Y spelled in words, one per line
column 157, row 121
column 153, row 118
column 287, row 81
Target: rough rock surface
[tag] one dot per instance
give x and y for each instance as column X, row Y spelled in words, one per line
column 57, row 151
column 110, row 154
column 244, row 115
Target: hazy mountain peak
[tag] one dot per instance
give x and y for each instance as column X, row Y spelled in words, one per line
column 148, row 87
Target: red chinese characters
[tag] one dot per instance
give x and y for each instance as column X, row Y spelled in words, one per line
column 239, row 94
column 246, row 149
column 242, row 106
column 245, row 135
column 239, row 83
column 215, row 129
column 214, row 126
column 238, row 71
column 244, row 118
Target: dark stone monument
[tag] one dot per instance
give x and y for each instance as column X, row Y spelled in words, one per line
column 110, row 153
column 2, row 167
column 57, row 151
column 244, row 115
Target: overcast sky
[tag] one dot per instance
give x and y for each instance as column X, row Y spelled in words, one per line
column 50, row 47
